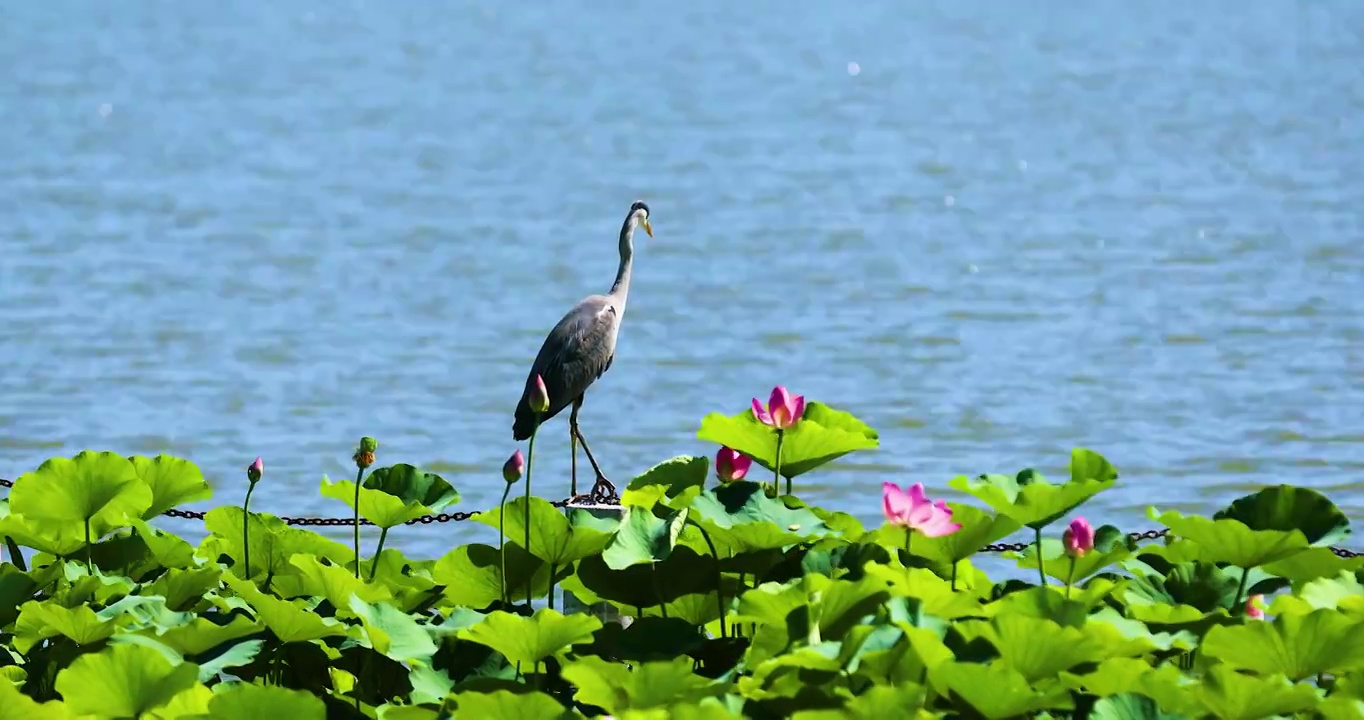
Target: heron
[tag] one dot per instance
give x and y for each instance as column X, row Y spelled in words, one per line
column 578, row 351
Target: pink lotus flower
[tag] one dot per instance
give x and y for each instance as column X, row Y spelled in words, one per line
column 783, row 409
column 1078, row 538
column 539, row 396
column 1255, row 609
column 512, row 469
column 912, row 509
column 731, row 465
column 255, row 470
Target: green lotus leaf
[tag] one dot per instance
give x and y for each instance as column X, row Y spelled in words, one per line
column 1313, row 563
column 173, row 481
column 332, row 582
column 39, row 620
column 677, row 480
column 190, row 704
column 936, row 594
column 273, row 543
column 391, row 496
column 506, row 705
column 995, row 690
column 1297, row 646
column 393, row 633
column 204, row 632
column 1230, row 695
column 53, row 537
column 1033, row 502
column 169, row 551
column 1039, row 648
column 288, row 621
column 1085, row 464
column 1185, row 593
column 1129, row 706
column 184, row 589
column 740, row 518
column 472, row 574
column 1338, row 707
column 555, row 538
column 16, row 586
column 1122, row 675
column 978, row 529
column 1058, row 564
column 529, row 641
column 240, row 701
column 1285, row 508
column 1343, row 593
column 97, row 487
column 879, row 702
column 1126, row 637
column 1231, row 541
column 685, row 571
column 643, row 538
column 123, row 680
column 14, row 705
column 1052, row 603
column 823, row 435
column 658, row 684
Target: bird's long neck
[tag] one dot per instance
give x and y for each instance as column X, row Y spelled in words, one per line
column 620, row 290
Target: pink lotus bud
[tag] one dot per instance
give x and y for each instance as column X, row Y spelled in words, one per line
column 1255, row 609
column 783, row 409
column 912, row 509
column 731, row 465
column 539, row 396
column 255, row 470
column 512, row 469
column 1078, row 538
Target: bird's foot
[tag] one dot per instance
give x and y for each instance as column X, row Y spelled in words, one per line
column 603, row 492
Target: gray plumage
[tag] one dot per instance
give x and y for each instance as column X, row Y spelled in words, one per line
column 582, row 345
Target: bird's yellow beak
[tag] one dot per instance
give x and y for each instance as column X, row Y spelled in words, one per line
column 647, row 227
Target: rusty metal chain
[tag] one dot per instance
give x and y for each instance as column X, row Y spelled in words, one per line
column 604, row 493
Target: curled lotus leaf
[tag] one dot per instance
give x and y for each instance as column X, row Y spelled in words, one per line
column 823, row 435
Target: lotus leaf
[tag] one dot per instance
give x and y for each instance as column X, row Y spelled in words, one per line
column 1342, row 592
column 189, row 704
column 336, row 584
column 393, row 632
column 995, row 691
column 1039, row 648
column 1235, row 696
column 879, row 702
column 643, row 538
column 684, row 572
column 504, row 705
column 1231, row 541
column 615, row 688
column 273, row 544
column 1129, row 706
column 173, row 481
column 391, row 496
column 97, row 487
column 1285, row 508
column 935, row 594
column 1058, row 565
column 530, row 640
column 740, row 518
column 472, row 574
column 122, row 681
column 1121, row 675
column 978, row 529
column 240, row 701
column 1028, row 498
column 41, row 620
column 823, row 435
column 1294, row 645
column 288, row 621
column 168, row 550
column 676, row 480
column 1085, row 464
column 15, row 705
column 1313, row 563
column 554, row 538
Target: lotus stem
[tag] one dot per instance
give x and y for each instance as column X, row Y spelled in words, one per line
column 1070, row 576
column 502, row 537
column 246, row 535
column 89, row 551
column 530, row 462
column 954, row 575
column 1041, row 568
column 719, row 579
column 374, row 564
column 1240, row 590
column 658, row 593
column 776, row 466
column 16, row 554
column 552, row 569
column 909, row 538
column 359, row 475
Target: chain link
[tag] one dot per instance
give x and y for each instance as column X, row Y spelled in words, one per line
column 604, row 493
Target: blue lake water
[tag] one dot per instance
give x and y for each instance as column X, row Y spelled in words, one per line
column 995, row 231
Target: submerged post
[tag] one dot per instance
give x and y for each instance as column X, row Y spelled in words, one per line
column 604, row 611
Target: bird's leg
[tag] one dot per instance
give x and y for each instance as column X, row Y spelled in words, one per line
column 573, row 449
column 607, row 489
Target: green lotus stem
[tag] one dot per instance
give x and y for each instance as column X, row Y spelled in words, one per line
column 1041, row 569
column 89, row 551
column 1070, row 576
column 502, row 537
column 909, row 537
column 719, row 579
column 552, row 569
column 776, row 467
column 954, row 575
column 1240, row 590
column 658, row 594
column 16, row 554
column 530, row 462
column 359, row 475
column 374, row 564
column 246, row 536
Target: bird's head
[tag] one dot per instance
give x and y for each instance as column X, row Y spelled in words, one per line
column 639, row 216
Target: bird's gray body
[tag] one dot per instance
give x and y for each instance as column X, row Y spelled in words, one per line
column 577, row 351
column 582, row 345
